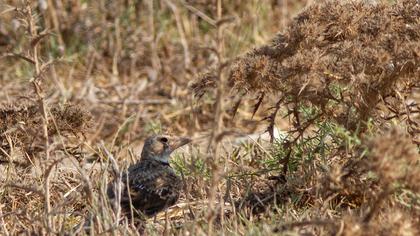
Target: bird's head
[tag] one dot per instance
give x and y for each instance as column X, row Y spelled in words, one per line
column 160, row 147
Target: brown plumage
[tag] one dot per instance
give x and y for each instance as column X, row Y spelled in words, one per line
column 153, row 185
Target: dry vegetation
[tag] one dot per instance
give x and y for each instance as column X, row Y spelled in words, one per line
column 84, row 82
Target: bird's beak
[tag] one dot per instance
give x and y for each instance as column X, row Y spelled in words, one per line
column 179, row 142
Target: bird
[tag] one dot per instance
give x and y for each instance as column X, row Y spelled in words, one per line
column 150, row 185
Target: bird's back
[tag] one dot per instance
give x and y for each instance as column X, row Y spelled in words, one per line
column 152, row 187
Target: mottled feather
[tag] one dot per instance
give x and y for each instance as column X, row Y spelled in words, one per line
column 153, row 185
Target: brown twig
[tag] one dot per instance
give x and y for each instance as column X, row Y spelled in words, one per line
column 35, row 39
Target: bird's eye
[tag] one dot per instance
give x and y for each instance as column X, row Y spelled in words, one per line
column 163, row 140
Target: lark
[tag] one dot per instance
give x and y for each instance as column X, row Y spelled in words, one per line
column 151, row 185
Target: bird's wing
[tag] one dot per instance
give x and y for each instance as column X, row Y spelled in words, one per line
column 152, row 191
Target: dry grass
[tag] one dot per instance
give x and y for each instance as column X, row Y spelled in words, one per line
column 84, row 82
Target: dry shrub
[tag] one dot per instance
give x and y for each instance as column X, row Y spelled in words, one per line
column 208, row 81
column 370, row 183
column 349, row 62
column 391, row 157
column 22, row 125
column 353, row 64
column 395, row 159
column 393, row 222
column 344, row 57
